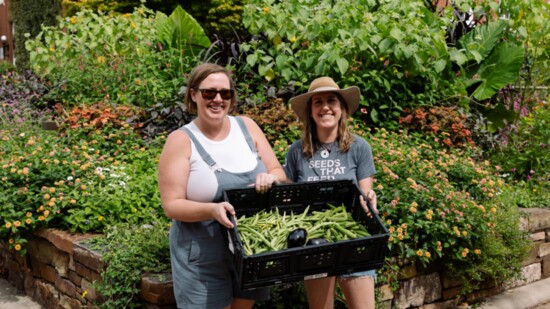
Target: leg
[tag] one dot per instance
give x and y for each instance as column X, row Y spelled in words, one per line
column 241, row 303
column 359, row 292
column 320, row 293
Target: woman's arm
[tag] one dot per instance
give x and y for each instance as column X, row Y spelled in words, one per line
column 365, row 185
column 275, row 173
column 173, row 174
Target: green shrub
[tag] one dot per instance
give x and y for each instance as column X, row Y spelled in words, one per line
column 522, row 150
column 394, row 51
column 129, row 251
column 91, row 56
column 441, row 205
column 29, row 16
column 93, row 172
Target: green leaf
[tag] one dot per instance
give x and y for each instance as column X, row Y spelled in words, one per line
column 479, row 42
column 181, row 31
column 500, row 69
column 252, row 59
column 343, row 65
column 458, row 56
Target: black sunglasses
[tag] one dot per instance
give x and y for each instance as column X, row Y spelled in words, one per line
column 210, row 94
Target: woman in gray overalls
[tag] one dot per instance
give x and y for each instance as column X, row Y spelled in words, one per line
column 212, row 153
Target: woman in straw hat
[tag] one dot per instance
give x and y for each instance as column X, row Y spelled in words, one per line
column 329, row 151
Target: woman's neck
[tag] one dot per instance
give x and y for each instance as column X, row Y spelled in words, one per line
column 215, row 131
column 326, row 137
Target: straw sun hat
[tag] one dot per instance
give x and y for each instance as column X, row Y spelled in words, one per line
column 325, row 84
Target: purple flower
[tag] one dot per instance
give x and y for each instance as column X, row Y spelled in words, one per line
column 513, row 170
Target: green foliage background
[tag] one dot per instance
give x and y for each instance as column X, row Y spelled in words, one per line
column 29, row 16
column 113, row 81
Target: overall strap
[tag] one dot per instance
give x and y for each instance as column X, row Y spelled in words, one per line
column 204, row 155
column 247, row 136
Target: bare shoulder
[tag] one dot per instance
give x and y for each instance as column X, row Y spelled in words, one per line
column 177, row 142
column 251, row 125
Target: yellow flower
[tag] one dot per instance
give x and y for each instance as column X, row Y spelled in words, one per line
column 101, row 59
column 83, row 187
column 73, row 20
column 28, row 221
column 41, row 218
column 8, row 225
column 11, row 241
column 47, row 196
column 429, row 216
column 266, row 9
column 72, row 201
column 28, row 214
column 412, row 209
column 414, row 204
column 419, row 253
column 464, row 254
column 494, row 210
column 464, row 233
column 17, row 224
column 477, row 251
column 100, row 218
column 17, row 247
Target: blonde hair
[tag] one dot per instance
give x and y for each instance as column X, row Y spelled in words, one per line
column 200, row 73
column 310, row 141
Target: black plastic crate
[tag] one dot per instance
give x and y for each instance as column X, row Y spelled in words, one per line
column 309, row 262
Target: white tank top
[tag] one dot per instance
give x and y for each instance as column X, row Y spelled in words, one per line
column 232, row 154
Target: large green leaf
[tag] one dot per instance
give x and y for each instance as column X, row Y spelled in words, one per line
column 181, row 31
column 500, row 69
column 479, row 42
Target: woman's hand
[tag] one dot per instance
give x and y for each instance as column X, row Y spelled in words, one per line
column 264, row 181
column 371, row 197
column 219, row 213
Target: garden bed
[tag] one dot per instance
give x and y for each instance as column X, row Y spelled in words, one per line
column 58, row 272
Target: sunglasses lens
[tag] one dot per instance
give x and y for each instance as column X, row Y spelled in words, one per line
column 226, row 94
column 210, row 94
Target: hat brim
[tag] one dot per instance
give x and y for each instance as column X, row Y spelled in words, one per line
column 351, row 95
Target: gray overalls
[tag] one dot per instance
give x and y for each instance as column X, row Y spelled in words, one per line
column 202, row 266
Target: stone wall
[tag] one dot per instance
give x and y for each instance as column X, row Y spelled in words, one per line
column 58, row 272
column 432, row 289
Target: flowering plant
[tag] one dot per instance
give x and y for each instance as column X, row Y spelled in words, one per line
column 438, row 203
column 94, row 171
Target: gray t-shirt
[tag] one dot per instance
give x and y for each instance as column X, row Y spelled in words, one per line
column 355, row 164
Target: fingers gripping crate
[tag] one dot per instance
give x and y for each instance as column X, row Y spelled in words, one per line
column 308, row 262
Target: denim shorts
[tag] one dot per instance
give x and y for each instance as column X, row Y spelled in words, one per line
column 366, row 273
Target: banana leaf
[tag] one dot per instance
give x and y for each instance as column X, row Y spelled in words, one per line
column 181, row 31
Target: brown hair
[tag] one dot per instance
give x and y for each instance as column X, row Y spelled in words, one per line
column 200, row 73
column 310, row 141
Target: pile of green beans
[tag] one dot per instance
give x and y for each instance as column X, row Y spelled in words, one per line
column 268, row 230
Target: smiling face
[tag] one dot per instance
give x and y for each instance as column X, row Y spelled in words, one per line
column 326, row 110
column 216, row 108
